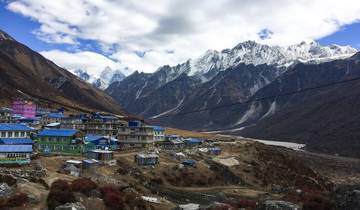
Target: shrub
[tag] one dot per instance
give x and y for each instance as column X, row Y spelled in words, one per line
column 18, row 199
column 108, row 189
column 60, row 193
column 113, row 200
column 318, row 203
column 243, row 203
column 11, row 181
column 157, row 180
column 134, row 201
column 83, row 185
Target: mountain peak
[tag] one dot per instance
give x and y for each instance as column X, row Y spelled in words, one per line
column 5, row 36
column 246, row 44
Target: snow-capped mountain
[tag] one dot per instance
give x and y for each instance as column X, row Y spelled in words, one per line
column 106, row 77
column 217, row 78
column 211, row 62
column 250, row 52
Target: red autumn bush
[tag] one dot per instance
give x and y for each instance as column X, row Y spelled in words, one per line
column 83, row 185
column 18, row 199
column 318, row 202
column 60, row 193
column 134, row 201
column 113, row 198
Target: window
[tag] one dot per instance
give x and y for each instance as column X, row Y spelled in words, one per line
column 16, row 134
column 10, row 134
column 3, row 134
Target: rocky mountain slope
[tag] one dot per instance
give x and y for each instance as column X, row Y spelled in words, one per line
column 25, row 73
column 215, row 78
column 326, row 119
column 106, row 77
column 321, row 118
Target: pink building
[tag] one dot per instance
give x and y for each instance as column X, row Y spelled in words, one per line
column 24, row 108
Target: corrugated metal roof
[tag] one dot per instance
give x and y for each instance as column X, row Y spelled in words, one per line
column 58, row 132
column 193, row 140
column 56, row 115
column 92, row 137
column 90, row 161
column 16, row 141
column 14, row 127
column 15, row 148
column 158, row 128
column 142, row 155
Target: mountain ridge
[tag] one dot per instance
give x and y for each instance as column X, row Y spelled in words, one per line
column 25, row 73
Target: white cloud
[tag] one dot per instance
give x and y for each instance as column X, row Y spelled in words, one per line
column 186, row 27
column 94, row 63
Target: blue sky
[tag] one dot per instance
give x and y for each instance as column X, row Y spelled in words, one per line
column 140, row 35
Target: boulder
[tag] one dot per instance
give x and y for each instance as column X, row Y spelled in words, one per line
column 5, row 190
column 277, row 205
column 71, row 206
column 350, row 200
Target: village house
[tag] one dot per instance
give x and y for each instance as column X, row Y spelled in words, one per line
column 15, row 154
column 24, row 108
column 16, row 141
column 5, row 115
column 13, row 130
column 53, row 117
column 192, row 142
column 72, row 167
column 99, row 154
column 159, row 133
column 73, row 122
column 136, row 134
column 214, row 151
column 90, row 164
column 150, row 159
column 102, row 142
column 189, row 163
column 171, row 144
column 61, row 141
column 96, row 124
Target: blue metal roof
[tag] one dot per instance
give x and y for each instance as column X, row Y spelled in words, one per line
column 14, row 127
column 16, row 141
column 15, row 148
column 56, row 115
column 192, row 140
column 91, row 137
column 158, row 128
column 189, row 162
column 58, row 132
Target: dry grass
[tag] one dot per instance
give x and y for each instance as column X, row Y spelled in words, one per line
column 190, row 134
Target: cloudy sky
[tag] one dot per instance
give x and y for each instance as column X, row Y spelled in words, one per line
column 143, row 35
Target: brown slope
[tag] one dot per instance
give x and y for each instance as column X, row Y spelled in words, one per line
column 26, row 73
column 326, row 120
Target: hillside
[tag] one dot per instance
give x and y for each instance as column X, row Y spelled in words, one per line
column 25, row 73
column 326, row 119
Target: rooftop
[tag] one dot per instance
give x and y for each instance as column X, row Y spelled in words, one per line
column 16, row 141
column 101, row 151
column 15, row 148
column 56, row 115
column 76, row 162
column 92, row 137
column 151, row 155
column 158, row 128
column 14, row 127
column 58, row 132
